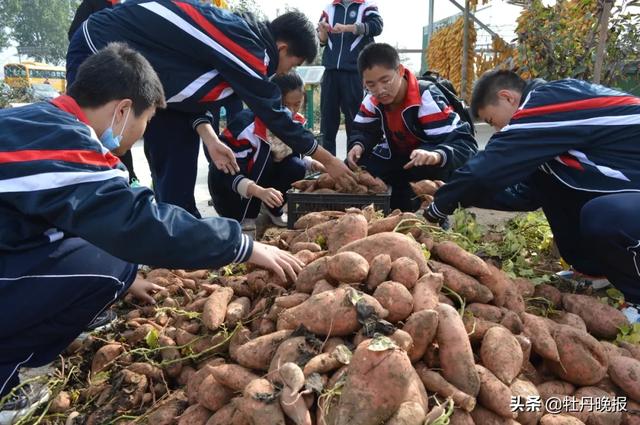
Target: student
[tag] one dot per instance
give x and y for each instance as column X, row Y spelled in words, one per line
column 203, row 55
column 72, row 230
column 345, row 28
column 574, row 146
column 268, row 166
column 405, row 130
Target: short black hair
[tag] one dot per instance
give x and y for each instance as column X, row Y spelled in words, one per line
column 485, row 91
column 295, row 29
column 288, row 82
column 380, row 54
column 117, row 72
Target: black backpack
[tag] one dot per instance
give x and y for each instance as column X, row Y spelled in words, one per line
column 446, row 87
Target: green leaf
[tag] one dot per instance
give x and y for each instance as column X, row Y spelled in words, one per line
column 382, row 343
column 152, row 338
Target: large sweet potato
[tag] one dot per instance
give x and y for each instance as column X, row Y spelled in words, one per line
column 379, row 270
column 501, row 354
column 348, row 228
column 258, row 352
column 348, row 267
column 538, row 331
column 452, row 254
column 625, row 372
column 394, row 244
column 260, row 404
column 404, row 270
column 494, row 394
column 396, row 299
column 409, row 413
column 464, row 285
column 504, row 290
column 526, row 391
column 434, row 382
column 601, row 319
column 422, row 326
column 426, row 291
column 311, row 273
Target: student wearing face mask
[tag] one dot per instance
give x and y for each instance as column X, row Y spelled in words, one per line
column 72, row 230
column 268, row 166
column 405, row 129
column 203, row 56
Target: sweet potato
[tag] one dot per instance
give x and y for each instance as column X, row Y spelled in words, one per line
column 213, row 395
column 292, row 300
column 194, row 415
column 310, row 274
column 322, row 363
column 504, row 291
column 260, row 404
column 409, row 413
column 381, row 225
column 583, row 361
column 525, row 287
column 105, row 356
column 395, row 244
column 376, row 386
column 484, row 416
column 308, row 257
column 555, row 389
column 601, row 319
column 304, row 185
column 525, row 345
column 215, row 308
column 461, row 417
column 312, row 234
column 526, row 390
column 486, row 311
column 348, row 228
column 477, row 328
column 625, row 372
column 405, row 271
column 310, row 246
column 426, row 290
column 536, row 329
column 325, row 181
column 402, row 339
column 434, row 382
column 424, row 187
column 501, row 354
column 494, row 394
column 613, row 350
column 237, row 311
column 257, row 353
column 297, row 350
column 233, row 376
column 422, row 326
column 464, row 285
column 379, row 270
column 322, row 286
column 451, row 253
column 591, row 416
column 456, row 357
column 348, row 267
column 310, row 220
column 168, row 410
column 550, row 293
column 560, row 420
column 512, row 321
column 228, row 415
column 396, row 299
column 569, row 319
column 329, row 313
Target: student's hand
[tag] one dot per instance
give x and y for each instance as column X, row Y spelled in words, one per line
column 143, row 290
column 354, row 156
column 223, row 157
column 340, row 172
column 340, row 28
column 280, row 262
column 323, row 31
column 316, row 166
column 420, row 157
column 270, row 196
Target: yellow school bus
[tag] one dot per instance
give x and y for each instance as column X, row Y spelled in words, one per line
column 25, row 74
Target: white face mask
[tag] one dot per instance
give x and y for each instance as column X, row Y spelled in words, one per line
column 110, row 141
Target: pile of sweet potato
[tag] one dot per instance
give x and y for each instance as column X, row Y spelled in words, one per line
column 366, row 184
column 370, row 333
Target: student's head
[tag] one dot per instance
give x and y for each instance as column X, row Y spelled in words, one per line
column 117, row 88
column 379, row 66
column 496, row 97
column 291, row 86
column 295, row 37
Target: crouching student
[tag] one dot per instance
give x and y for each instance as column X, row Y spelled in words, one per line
column 72, row 230
column 405, row 129
column 268, row 166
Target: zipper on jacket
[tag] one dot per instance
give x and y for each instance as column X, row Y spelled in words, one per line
column 346, row 9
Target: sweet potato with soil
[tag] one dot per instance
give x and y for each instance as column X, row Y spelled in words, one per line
column 322, row 363
column 313, row 233
column 376, row 386
column 569, row 319
column 213, row 395
column 396, row 299
column 166, row 413
column 501, row 354
column 434, row 382
column 402, row 339
column 536, row 329
column 477, row 328
column 328, row 313
column 322, row 286
column 379, row 270
column 555, row 388
column 525, row 345
column 601, row 319
column 424, row 187
column 494, row 394
column 512, row 321
column 634, row 349
column 233, row 376
column 312, row 273
column 524, row 286
column 484, row 416
column 464, row 285
column 486, row 311
column 105, row 356
column 194, row 415
column 310, row 246
column 298, row 350
column 228, row 415
column 550, row 293
column 454, row 255
column 409, row 413
column 257, row 353
column 525, row 390
column 560, row 420
column 381, row 225
column 304, row 185
column 215, row 308
column 325, row 181
column 422, row 326
column 260, row 404
column 395, row 244
column 308, row 257
column 592, row 416
column 237, row 311
column 291, row 300
column 625, row 372
column 583, row 361
column 426, row 291
column 456, row 357
column 348, row 267
column 613, row 350
column 461, row 417
column 405, row 271
column 504, row 290
column 348, row 228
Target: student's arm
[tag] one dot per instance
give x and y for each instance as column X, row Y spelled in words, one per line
column 371, row 21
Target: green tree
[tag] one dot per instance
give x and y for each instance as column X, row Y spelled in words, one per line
column 38, row 24
column 247, row 6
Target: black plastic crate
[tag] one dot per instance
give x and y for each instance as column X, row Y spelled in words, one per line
column 301, row 203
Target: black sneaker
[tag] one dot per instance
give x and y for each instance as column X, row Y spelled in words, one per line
column 102, row 321
column 25, row 400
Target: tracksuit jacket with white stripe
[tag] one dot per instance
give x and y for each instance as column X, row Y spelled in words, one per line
column 585, row 136
column 203, row 55
column 57, row 181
